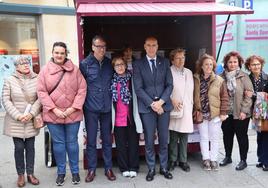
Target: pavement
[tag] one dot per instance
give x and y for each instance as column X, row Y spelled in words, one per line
column 251, row 177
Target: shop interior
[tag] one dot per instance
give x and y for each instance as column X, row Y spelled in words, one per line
column 193, row 33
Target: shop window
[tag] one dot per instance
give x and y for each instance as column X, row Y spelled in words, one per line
column 18, row 35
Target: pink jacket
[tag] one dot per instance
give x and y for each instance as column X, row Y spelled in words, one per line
column 71, row 91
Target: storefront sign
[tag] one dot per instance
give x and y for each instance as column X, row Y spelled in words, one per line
column 248, row 4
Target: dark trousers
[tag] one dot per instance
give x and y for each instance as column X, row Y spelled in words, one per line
column 26, row 145
column 174, row 137
column 151, row 122
column 92, row 120
column 231, row 127
column 127, row 146
column 262, row 147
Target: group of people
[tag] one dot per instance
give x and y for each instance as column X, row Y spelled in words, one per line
column 128, row 97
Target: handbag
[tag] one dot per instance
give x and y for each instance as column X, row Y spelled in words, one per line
column 264, row 125
column 197, row 117
column 176, row 114
column 38, row 121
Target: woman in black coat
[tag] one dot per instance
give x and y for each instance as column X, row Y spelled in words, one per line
column 259, row 80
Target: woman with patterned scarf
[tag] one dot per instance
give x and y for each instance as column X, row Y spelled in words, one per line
column 126, row 121
column 259, row 79
column 239, row 113
column 211, row 100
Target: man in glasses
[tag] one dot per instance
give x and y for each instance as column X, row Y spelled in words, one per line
column 97, row 70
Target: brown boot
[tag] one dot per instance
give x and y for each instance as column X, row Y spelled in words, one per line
column 21, row 181
column 32, row 179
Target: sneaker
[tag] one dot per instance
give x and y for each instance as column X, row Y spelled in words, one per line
column 206, row 165
column 75, row 179
column 132, row 174
column 60, row 179
column 126, row 174
column 214, row 165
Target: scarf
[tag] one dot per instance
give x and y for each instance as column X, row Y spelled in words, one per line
column 204, row 96
column 257, row 83
column 231, row 80
column 124, row 90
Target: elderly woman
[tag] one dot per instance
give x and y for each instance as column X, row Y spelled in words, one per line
column 181, row 121
column 211, row 100
column 240, row 109
column 126, row 120
column 20, row 111
column 259, row 79
column 62, row 91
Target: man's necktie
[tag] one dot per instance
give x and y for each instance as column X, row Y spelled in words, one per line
column 153, row 65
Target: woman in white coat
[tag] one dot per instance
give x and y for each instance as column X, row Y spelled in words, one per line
column 181, row 121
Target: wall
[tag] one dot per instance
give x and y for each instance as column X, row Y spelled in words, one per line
column 60, row 28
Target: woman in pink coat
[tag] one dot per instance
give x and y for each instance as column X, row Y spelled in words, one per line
column 61, row 90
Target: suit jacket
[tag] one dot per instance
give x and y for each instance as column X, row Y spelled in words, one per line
column 147, row 87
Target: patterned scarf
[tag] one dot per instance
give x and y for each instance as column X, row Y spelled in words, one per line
column 204, row 96
column 124, row 90
column 231, row 80
column 257, row 83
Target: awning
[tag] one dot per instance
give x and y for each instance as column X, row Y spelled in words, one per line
column 158, row 9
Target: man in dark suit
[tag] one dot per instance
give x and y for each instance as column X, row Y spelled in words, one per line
column 153, row 85
column 98, row 71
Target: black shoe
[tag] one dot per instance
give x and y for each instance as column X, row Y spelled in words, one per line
column 75, row 179
column 226, row 161
column 184, row 166
column 265, row 167
column 150, row 175
column 166, row 173
column 259, row 165
column 241, row 165
column 171, row 165
column 60, row 179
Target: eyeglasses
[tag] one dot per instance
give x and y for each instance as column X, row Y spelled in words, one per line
column 255, row 65
column 100, row 46
column 180, row 58
column 24, row 63
column 119, row 65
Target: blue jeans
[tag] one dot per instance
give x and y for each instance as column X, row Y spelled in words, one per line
column 65, row 139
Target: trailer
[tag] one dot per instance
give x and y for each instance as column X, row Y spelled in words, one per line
column 189, row 24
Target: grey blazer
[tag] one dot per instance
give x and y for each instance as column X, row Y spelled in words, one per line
column 147, row 87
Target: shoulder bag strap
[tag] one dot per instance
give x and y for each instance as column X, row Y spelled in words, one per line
column 57, row 83
column 27, row 98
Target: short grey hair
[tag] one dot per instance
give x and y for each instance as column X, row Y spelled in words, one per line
column 22, row 59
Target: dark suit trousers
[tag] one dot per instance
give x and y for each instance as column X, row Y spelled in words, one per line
column 127, row 146
column 230, row 127
column 92, row 120
column 151, row 122
column 262, row 151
